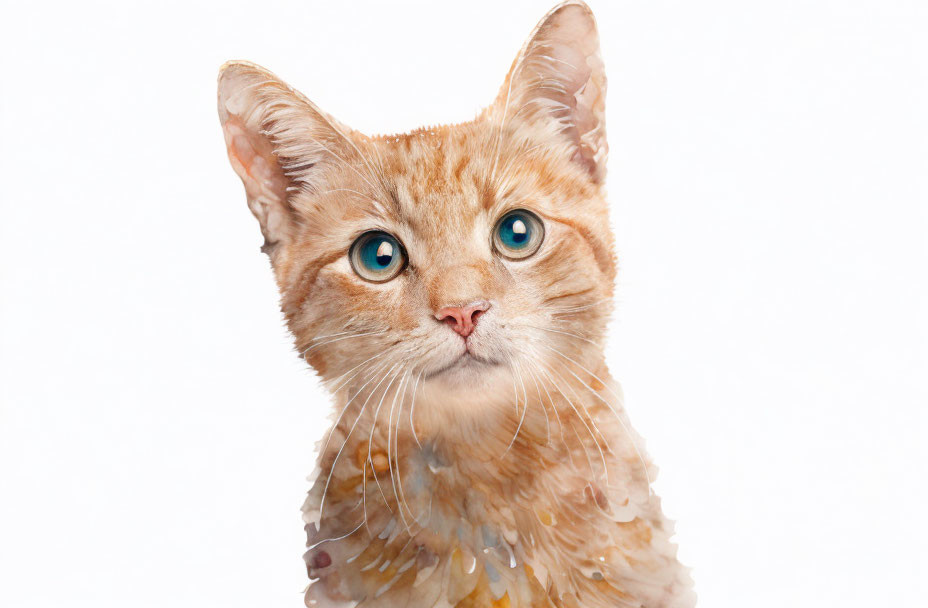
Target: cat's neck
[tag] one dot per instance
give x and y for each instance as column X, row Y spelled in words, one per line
column 400, row 445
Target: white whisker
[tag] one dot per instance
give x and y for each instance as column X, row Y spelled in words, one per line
column 412, row 409
column 599, row 448
column 341, row 333
column 522, row 418
column 396, row 480
column 618, row 417
column 345, row 408
column 576, row 309
column 328, row 480
column 339, row 339
column 396, row 396
column 544, row 410
column 343, row 536
column 566, row 333
column 347, row 380
column 371, row 438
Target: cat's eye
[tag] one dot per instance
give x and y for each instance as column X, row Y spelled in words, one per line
column 518, row 234
column 377, row 257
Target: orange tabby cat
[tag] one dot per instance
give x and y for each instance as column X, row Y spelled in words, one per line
column 451, row 286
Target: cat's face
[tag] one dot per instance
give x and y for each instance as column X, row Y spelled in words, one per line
column 455, row 256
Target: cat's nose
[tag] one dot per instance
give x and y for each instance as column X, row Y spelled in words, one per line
column 462, row 319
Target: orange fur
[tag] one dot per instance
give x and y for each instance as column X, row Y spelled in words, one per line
column 509, row 479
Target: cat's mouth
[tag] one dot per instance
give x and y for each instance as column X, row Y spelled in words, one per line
column 467, row 362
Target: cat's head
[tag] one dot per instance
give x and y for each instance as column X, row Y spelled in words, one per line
column 456, row 255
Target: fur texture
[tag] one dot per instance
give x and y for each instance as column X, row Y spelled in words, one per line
column 500, row 470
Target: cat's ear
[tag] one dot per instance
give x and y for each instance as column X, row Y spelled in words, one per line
column 279, row 144
column 558, row 78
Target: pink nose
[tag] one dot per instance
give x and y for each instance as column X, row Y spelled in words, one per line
column 462, row 319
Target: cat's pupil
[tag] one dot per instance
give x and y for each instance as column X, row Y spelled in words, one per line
column 384, row 253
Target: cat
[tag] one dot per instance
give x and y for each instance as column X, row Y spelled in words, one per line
column 451, row 287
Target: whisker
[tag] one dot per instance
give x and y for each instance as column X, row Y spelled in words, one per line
column 396, row 396
column 557, row 416
column 608, row 405
column 544, row 410
column 397, row 480
column 328, row 480
column 347, row 380
column 338, row 420
column 575, row 309
column 564, row 296
column 369, row 459
column 343, row 536
column 412, row 409
column 570, row 457
column 586, row 411
column 589, row 430
column 371, row 438
column 429, row 517
column 339, row 339
column 341, row 333
column 515, row 391
column 566, row 333
column 589, row 460
column 524, row 409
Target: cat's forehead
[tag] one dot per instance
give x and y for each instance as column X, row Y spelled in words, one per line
column 437, row 175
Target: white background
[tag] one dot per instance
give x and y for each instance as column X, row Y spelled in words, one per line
column 768, row 182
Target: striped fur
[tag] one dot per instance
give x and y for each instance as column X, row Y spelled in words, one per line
column 513, row 478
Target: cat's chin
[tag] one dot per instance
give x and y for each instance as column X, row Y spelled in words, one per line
column 469, row 386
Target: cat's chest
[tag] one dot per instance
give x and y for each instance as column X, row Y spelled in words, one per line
column 420, row 523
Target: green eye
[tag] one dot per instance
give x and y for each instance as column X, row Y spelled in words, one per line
column 518, row 234
column 377, row 257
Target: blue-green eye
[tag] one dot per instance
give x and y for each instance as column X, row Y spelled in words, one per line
column 518, row 234
column 377, row 257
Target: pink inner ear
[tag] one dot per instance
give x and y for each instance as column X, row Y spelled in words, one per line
column 571, row 67
column 253, row 159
